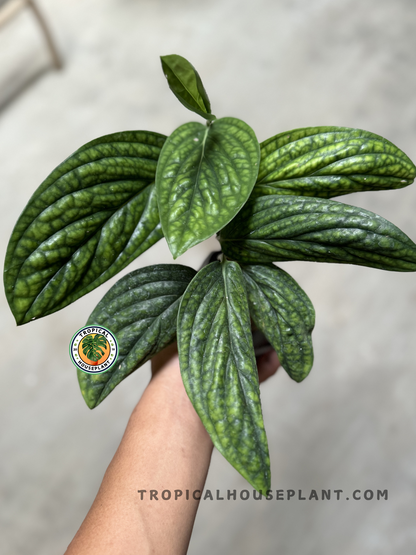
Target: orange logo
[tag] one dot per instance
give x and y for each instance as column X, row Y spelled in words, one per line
column 93, row 349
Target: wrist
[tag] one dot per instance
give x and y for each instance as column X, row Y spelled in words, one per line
column 167, row 390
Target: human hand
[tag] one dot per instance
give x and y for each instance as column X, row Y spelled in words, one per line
column 267, row 365
column 168, row 361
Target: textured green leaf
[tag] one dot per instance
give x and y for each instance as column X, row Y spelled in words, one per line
column 92, row 347
column 283, row 312
column 330, row 161
column 282, row 227
column 94, row 214
column 219, row 370
column 204, row 176
column 185, row 83
column 141, row 310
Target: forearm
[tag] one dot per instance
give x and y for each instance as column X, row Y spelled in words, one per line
column 165, row 447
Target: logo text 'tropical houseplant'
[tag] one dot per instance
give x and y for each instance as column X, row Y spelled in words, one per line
column 119, row 194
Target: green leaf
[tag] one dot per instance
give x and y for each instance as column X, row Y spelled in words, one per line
column 185, row 83
column 219, row 369
column 92, row 346
column 204, row 176
column 141, row 311
column 282, row 227
column 330, row 161
column 94, row 214
column 283, row 312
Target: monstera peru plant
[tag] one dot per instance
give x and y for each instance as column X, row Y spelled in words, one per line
column 118, row 195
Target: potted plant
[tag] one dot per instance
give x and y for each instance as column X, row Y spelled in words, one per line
column 119, row 194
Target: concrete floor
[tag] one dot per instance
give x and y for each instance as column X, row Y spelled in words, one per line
column 352, row 424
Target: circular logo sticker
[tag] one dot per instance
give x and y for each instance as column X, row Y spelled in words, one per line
column 93, row 349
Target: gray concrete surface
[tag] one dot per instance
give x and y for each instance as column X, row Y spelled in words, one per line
column 351, row 425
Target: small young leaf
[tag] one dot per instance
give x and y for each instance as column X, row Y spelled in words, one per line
column 185, row 83
column 330, row 161
column 284, row 313
column 203, row 178
column 94, row 214
column 219, row 369
column 141, row 310
column 281, row 227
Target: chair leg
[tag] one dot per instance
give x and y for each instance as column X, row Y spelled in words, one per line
column 48, row 36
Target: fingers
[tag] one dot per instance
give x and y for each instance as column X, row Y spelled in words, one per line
column 267, row 365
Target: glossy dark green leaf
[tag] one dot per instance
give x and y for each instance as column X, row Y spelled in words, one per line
column 141, row 310
column 94, row 347
column 219, row 369
column 204, row 176
column 90, row 218
column 282, row 227
column 185, row 83
column 283, row 312
column 330, row 161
